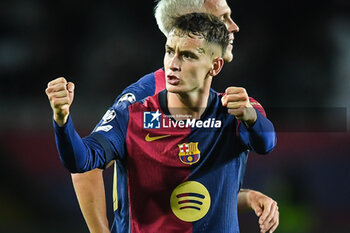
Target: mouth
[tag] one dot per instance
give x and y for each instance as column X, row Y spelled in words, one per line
column 172, row 79
column 231, row 38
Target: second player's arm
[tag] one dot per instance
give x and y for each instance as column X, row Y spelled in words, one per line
column 90, row 191
column 265, row 208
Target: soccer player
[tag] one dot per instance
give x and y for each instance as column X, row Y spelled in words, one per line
column 174, row 172
column 89, row 186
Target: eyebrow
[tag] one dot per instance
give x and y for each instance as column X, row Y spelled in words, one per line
column 186, row 52
column 227, row 13
column 167, row 47
column 201, row 50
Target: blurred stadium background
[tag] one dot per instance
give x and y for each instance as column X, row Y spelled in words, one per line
column 292, row 56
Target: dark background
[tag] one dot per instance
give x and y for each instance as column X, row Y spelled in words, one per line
column 293, row 56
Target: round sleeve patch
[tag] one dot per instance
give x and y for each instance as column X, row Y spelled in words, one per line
column 108, row 117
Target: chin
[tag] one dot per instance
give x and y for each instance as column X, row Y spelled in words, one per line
column 172, row 89
column 228, row 57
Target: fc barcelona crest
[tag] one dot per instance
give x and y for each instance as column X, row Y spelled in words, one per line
column 189, row 153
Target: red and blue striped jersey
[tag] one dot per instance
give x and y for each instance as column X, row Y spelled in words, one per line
column 153, row 83
column 172, row 176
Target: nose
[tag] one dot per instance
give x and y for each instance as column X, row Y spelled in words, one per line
column 232, row 26
column 174, row 63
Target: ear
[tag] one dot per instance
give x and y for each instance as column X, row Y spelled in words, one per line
column 217, row 65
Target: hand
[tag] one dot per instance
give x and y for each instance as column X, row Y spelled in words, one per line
column 266, row 209
column 60, row 94
column 237, row 101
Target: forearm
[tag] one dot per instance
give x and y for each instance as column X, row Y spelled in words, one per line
column 89, row 188
column 261, row 137
column 243, row 200
column 76, row 154
column 263, row 206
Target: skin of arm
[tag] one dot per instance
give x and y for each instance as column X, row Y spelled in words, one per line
column 264, row 207
column 60, row 94
column 90, row 190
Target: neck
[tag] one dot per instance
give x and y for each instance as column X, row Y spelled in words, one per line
column 189, row 105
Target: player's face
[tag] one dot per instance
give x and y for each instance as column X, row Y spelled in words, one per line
column 187, row 63
column 220, row 9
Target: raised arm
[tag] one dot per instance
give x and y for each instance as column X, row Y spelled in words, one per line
column 76, row 154
column 61, row 95
column 89, row 186
column 256, row 131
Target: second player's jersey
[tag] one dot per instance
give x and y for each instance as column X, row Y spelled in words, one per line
column 148, row 85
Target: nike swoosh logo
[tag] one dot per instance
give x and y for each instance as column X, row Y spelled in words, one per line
column 150, row 139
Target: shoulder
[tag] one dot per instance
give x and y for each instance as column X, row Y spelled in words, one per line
column 215, row 102
column 148, row 85
column 157, row 78
column 149, row 103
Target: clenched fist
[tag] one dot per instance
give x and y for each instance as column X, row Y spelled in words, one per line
column 237, row 102
column 60, row 94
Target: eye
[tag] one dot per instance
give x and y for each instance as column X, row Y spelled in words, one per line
column 187, row 56
column 169, row 52
column 223, row 18
column 226, row 18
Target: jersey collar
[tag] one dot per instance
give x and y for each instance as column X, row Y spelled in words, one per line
column 163, row 103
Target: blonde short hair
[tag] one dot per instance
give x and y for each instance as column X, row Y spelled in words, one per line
column 167, row 10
